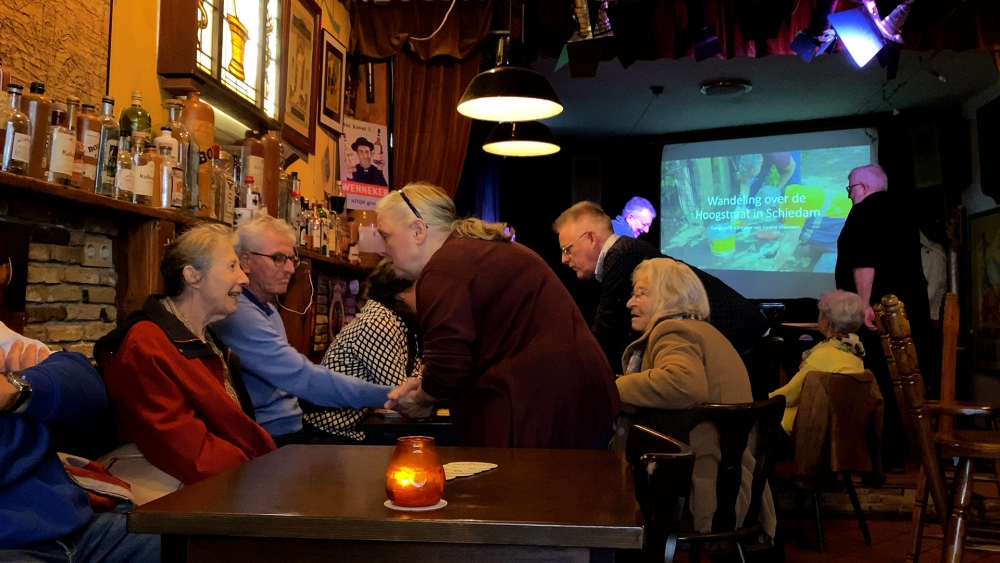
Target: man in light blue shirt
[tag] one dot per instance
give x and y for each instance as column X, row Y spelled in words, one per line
column 276, row 374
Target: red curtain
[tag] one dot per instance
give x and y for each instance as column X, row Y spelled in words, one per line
column 429, row 78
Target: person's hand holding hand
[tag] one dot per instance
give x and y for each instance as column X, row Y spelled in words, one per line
column 23, row 357
column 869, row 318
column 408, row 385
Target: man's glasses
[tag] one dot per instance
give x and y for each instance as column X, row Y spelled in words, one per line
column 851, row 186
column 280, row 258
column 565, row 249
column 410, row 205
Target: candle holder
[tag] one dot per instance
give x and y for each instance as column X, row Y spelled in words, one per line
column 415, row 477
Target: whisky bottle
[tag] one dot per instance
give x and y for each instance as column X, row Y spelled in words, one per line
column 143, row 171
column 171, row 179
column 199, row 120
column 124, row 177
column 62, row 147
column 156, row 161
column 186, row 154
column 134, row 119
column 88, row 133
column 38, row 107
column 15, row 134
column 107, row 150
column 72, row 109
column 253, row 157
column 222, row 187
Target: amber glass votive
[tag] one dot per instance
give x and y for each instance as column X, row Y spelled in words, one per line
column 415, row 476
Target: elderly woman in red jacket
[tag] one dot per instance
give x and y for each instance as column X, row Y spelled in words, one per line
column 178, row 391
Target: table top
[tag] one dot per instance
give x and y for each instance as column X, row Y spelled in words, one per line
column 571, row 498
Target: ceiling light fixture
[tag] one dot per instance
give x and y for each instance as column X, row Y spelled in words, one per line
column 864, row 33
column 509, row 93
column 523, row 138
column 726, row 87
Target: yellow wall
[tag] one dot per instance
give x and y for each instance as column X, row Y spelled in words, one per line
column 134, row 32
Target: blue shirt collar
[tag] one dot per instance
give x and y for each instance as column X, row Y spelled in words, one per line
column 268, row 311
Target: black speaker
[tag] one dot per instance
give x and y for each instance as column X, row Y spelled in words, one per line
column 940, row 154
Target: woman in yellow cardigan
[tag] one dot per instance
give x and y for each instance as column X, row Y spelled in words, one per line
column 841, row 313
column 680, row 362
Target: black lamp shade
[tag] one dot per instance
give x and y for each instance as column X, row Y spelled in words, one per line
column 508, row 93
column 524, row 138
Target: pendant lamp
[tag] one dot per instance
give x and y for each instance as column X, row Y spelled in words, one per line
column 509, row 93
column 522, row 138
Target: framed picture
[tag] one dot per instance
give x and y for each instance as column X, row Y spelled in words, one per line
column 984, row 259
column 331, row 98
column 300, row 51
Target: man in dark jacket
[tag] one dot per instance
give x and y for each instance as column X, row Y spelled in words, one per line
column 365, row 172
column 44, row 515
column 592, row 250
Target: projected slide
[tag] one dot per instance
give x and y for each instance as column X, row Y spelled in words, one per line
column 727, row 207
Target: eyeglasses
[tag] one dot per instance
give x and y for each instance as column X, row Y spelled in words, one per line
column 410, row 205
column 642, row 293
column 280, row 258
column 851, row 186
column 565, row 249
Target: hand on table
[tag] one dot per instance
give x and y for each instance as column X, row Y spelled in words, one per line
column 410, row 400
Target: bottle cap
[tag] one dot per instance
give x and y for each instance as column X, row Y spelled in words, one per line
column 87, row 106
column 37, row 88
column 248, row 180
column 72, row 100
column 295, row 175
column 216, row 151
column 59, row 106
column 108, row 100
column 136, row 95
column 13, row 86
column 162, row 129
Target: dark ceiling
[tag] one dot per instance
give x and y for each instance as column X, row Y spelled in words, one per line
column 618, row 101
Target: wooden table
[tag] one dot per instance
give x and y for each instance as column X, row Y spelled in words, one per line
column 324, row 503
column 382, row 429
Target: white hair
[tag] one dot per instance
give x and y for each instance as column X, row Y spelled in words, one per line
column 253, row 230
column 844, row 311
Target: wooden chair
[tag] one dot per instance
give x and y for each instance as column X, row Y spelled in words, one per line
column 661, row 470
column 734, row 424
column 964, row 525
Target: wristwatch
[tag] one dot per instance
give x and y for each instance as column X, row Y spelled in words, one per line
column 23, row 392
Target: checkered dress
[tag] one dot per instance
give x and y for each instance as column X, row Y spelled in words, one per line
column 372, row 347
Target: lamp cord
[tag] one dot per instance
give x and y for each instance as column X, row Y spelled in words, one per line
column 312, row 291
column 446, row 14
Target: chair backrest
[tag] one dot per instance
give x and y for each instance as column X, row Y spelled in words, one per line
column 734, row 423
column 661, row 471
column 904, row 368
column 949, row 355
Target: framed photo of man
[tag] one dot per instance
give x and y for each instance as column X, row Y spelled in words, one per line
column 300, row 53
column 331, row 104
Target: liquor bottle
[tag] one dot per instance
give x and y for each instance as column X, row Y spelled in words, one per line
column 38, row 107
column 15, row 134
column 295, row 202
column 143, row 171
column 304, row 216
column 252, row 156
column 222, row 187
column 186, row 153
column 324, row 231
column 156, row 161
column 107, row 150
column 124, row 178
column 377, row 152
column 166, row 139
column 135, row 119
column 62, row 145
column 88, row 133
column 284, row 196
column 171, row 178
column 249, row 196
column 72, row 109
column 316, row 230
column 199, row 120
column 272, row 170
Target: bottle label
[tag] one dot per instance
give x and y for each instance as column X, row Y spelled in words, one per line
column 255, row 168
column 144, row 179
column 110, row 161
column 89, row 171
column 230, row 203
column 176, row 188
column 91, row 142
column 22, row 147
column 125, row 181
column 63, row 147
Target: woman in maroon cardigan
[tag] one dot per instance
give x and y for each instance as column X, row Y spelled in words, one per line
column 178, row 391
column 503, row 340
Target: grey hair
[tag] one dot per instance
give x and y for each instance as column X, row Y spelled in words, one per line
column 844, row 311
column 193, row 248
column 676, row 289
column 253, row 230
column 873, row 176
column 637, row 204
column 437, row 211
column 583, row 210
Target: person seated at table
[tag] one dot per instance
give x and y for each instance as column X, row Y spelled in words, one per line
column 503, row 339
column 841, row 314
column 277, row 375
column 178, row 390
column 44, row 515
column 381, row 345
column 680, row 362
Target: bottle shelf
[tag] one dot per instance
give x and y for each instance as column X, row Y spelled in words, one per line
column 339, row 262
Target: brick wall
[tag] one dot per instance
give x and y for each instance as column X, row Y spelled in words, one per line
column 67, row 305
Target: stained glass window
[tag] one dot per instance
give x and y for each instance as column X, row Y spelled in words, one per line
column 238, row 45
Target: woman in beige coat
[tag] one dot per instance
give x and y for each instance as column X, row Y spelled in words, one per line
column 680, row 362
